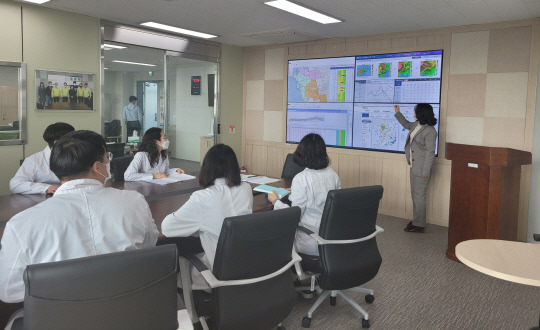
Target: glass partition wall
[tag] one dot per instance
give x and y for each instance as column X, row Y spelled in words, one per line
column 173, row 92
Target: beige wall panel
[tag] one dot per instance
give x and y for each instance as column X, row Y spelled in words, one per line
column 370, row 171
column 255, row 95
column 248, row 156
column 356, row 45
column 504, row 132
column 274, row 95
column 436, row 41
column 315, row 50
column 272, row 126
column 438, row 196
column 275, row 162
column 9, row 163
column 297, row 51
column 259, row 160
column 273, row 63
column 379, row 44
column 254, row 125
column 466, row 95
column 43, row 49
column 337, row 47
column 255, row 64
column 394, row 182
column 334, row 161
column 524, row 195
column 509, row 50
column 465, row 130
column 349, row 167
column 10, row 39
column 506, row 94
column 469, row 52
column 403, row 42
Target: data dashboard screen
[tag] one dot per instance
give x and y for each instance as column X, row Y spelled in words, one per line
column 350, row 101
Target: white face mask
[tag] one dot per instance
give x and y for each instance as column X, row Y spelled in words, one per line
column 165, row 144
column 108, row 168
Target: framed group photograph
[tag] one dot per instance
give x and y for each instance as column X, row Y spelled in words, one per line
column 60, row 90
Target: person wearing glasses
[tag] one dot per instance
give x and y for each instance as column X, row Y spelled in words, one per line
column 151, row 162
column 83, row 218
column 34, row 176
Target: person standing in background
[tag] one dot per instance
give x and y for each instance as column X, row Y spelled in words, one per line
column 42, row 95
column 55, row 93
column 48, row 91
column 72, row 94
column 80, row 94
column 420, row 154
column 65, row 93
column 87, row 95
column 132, row 117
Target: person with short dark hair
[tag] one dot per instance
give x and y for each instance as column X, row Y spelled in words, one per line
column 82, row 219
column 80, row 94
column 34, row 176
column 309, row 189
column 420, row 154
column 65, row 92
column 132, row 117
column 56, row 92
column 224, row 195
column 151, row 162
column 87, row 95
column 42, row 98
column 48, row 92
column 72, row 94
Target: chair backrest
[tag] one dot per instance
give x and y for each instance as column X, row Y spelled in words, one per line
column 124, row 290
column 251, row 246
column 119, row 166
column 349, row 214
column 114, row 128
column 290, row 168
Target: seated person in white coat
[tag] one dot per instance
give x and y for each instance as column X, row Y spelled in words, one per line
column 34, row 176
column 151, row 162
column 309, row 189
column 224, row 195
column 82, row 219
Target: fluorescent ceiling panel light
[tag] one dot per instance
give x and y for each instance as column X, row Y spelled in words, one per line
column 110, row 46
column 134, row 63
column 178, row 30
column 39, row 2
column 293, row 8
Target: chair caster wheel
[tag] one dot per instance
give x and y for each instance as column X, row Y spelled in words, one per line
column 365, row 323
column 370, row 298
column 306, row 322
column 332, row 301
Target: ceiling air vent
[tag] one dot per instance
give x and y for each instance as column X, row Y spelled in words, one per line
column 281, row 36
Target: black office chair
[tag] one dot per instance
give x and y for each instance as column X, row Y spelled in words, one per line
column 251, row 282
column 290, row 168
column 124, row 290
column 119, row 166
column 348, row 253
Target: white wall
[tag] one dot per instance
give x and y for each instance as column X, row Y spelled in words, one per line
column 534, row 197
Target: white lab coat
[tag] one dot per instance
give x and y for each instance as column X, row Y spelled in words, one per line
column 203, row 214
column 82, row 219
column 140, row 169
column 34, row 176
column 308, row 191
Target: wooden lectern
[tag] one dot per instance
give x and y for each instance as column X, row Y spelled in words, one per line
column 484, row 193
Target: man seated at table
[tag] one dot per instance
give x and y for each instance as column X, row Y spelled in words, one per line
column 82, row 219
column 34, row 176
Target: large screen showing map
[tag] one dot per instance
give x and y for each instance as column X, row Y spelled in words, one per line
column 350, row 101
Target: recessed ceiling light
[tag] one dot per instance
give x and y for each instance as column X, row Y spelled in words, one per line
column 293, row 8
column 39, row 2
column 134, row 63
column 111, row 46
column 178, row 30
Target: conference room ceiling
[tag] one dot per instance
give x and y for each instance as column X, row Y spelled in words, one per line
column 234, row 21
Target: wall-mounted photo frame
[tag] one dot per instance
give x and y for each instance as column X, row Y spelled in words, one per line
column 64, row 91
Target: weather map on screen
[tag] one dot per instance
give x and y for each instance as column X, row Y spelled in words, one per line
column 359, row 94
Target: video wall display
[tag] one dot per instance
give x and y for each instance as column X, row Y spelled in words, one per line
column 349, row 101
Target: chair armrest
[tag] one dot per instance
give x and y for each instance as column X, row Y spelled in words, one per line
column 215, row 283
column 196, row 262
column 305, row 230
column 322, row 241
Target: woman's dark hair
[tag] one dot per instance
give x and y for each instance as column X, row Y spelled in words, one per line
column 220, row 162
column 424, row 114
column 55, row 131
column 311, row 152
column 41, row 84
column 76, row 152
column 148, row 145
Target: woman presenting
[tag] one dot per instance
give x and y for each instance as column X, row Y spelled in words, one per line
column 420, row 153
